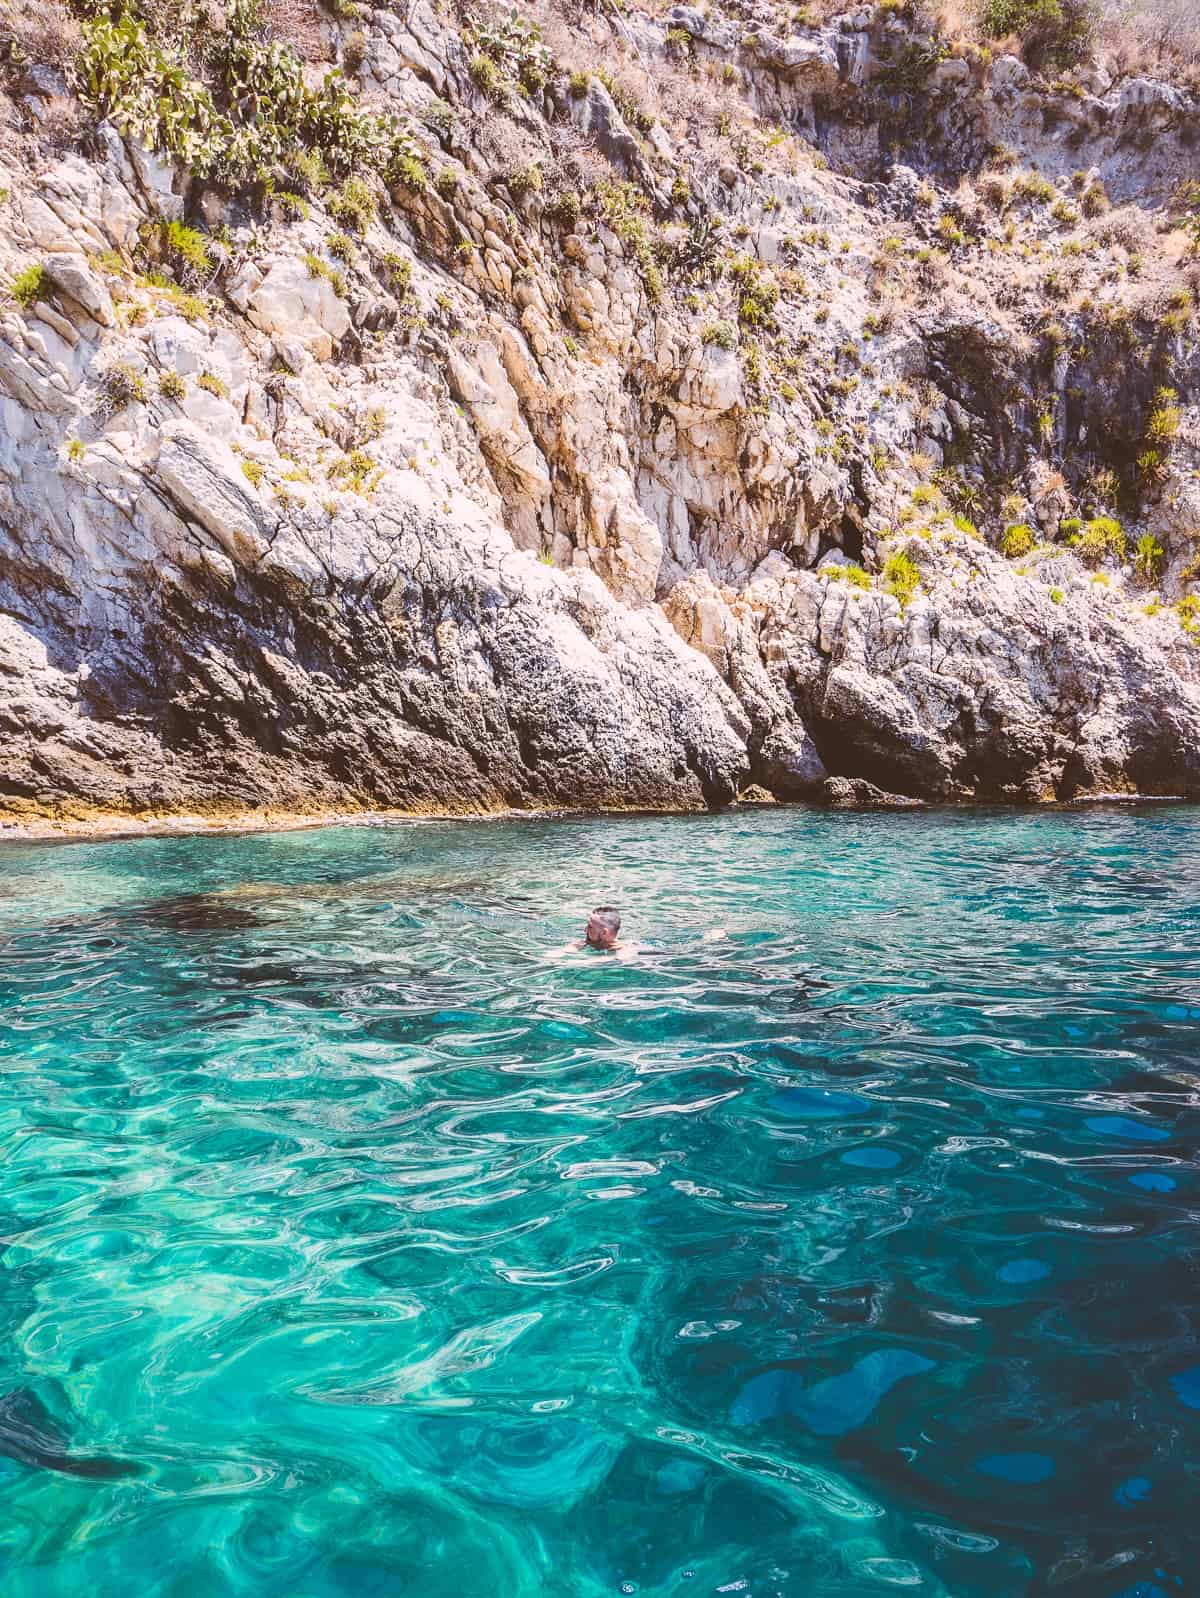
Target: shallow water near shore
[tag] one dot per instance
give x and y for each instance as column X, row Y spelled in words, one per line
column 351, row 1245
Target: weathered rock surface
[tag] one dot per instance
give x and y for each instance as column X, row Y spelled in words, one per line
column 470, row 512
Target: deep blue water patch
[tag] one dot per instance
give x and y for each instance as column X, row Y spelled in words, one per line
column 1153, row 1181
column 1126, row 1128
column 872, row 1158
column 818, row 1104
column 356, row 1238
column 1026, row 1469
column 1187, row 1386
column 1021, row 1272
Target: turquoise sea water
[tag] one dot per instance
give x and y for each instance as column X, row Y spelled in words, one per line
column 350, row 1246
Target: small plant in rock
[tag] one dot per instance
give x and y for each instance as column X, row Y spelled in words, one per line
column 341, row 248
column 487, row 76
column 407, row 171
column 525, row 181
column 171, row 385
column 1017, row 539
column 852, row 573
column 293, row 206
column 254, row 472
column 372, row 426
column 1033, row 186
column 901, row 578
column 722, row 334
column 121, row 386
column 307, row 171
column 446, row 183
column 513, row 48
column 1162, row 424
column 76, row 449
column 624, row 207
column 353, row 471
column 1103, row 538
column 30, row 285
column 353, row 205
column 1148, row 556
column 1057, row 596
column 1094, row 201
column 354, row 50
column 397, row 272
column 564, row 209
column 212, row 384
column 186, row 252
column 1106, row 485
column 759, row 294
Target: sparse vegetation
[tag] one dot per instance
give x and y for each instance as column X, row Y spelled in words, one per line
column 1103, row 538
column 901, row 578
column 1148, row 555
column 851, row 573
column 355, row 471
column 30, row 285
column 121, row 386
column 1017, row 539
column 252, row 117
column 722, row 334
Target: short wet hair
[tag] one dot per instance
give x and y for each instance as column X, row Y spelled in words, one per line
column 608, row 917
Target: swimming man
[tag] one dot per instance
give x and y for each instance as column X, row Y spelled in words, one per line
column 603, row 933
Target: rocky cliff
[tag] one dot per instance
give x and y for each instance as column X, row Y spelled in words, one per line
column 441, row 408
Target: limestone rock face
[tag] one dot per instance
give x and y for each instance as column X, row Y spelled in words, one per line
column 669, row 432
column 987, row 685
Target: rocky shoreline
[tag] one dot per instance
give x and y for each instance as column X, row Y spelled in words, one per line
column 837, row 794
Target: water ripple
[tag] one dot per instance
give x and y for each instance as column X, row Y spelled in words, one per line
column 355, row 1238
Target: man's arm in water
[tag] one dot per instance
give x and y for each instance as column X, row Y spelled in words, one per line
column 575, row 945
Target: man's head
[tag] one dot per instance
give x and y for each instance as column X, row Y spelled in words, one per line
column 603, row 926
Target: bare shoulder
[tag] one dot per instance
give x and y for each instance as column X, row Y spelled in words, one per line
column 565, row 948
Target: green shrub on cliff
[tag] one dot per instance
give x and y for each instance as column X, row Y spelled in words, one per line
column 508, row 55
column 122, row 385
column 1148, row 555
column 353, row 205
column 31, row 285
column 253, row 118
column 1102, row 538
column 1016, row 539
column 624, row 207
column 852, row 574
column 901, row 578
column 1056, row 31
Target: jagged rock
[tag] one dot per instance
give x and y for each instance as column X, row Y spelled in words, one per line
column 202, row 478
column 855, row 793
column 586, row 488
column 75, row 278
